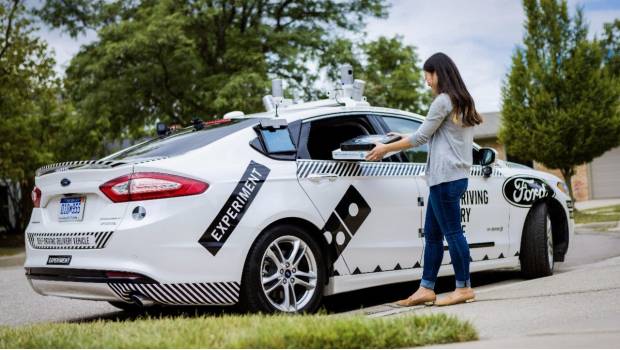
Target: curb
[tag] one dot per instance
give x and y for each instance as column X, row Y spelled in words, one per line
column 604, row 225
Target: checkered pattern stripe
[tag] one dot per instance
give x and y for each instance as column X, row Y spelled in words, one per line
column 348, row 168
column 44, row 240
column 214, row 293
column 476, row 170
column 87, row 164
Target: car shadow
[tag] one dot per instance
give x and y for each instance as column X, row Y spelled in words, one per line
column 368, row 297
column 335, row 304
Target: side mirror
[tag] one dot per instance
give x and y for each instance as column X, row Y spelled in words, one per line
column 487, row 156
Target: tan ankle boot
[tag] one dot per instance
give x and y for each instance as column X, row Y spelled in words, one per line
column 426, row 297
column 460, row 295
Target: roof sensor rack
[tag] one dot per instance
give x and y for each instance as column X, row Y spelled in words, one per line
column 346, row 92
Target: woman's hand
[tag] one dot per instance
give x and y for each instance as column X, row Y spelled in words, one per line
column 378, row 152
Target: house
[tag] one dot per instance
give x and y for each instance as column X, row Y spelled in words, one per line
column 598, row 179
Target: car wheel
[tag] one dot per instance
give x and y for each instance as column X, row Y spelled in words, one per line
column 127, row 307
column 285, row 272
column 537, row 243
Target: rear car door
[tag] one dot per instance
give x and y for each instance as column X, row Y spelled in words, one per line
column 367, row 206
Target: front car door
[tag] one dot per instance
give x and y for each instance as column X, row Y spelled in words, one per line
column 367, row 206
column 484, row 213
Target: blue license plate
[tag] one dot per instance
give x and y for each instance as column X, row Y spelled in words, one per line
column 71, row 209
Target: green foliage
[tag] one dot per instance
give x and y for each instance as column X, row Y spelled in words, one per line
column 393, row 75
column 36, row 126
column 250, row 331
column 178, row 60
column 559, row 102
column 611, row 47
column 390, row 69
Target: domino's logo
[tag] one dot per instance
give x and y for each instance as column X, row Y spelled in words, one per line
column 345, row 221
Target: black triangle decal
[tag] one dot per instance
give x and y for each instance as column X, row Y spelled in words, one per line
column 471, row 259
column 517, row 254
column 378, row 269
column 486, row 257
column 417, row 264
column 397, row 267
column 357, row 271
column 501, row 256
column 336, row 273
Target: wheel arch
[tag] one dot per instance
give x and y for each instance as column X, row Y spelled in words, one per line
column 559, row 226
column 308, row 226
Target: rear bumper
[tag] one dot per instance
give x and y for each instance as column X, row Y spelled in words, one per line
column 75, row 290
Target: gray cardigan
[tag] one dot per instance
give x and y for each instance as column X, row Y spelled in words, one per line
column 449, row 144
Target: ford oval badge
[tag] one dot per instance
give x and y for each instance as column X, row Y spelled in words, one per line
column 65, row 182
column 523, row 191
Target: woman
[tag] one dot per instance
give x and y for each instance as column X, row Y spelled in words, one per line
column 448, row 129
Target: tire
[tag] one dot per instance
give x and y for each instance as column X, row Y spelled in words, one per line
column 537, row 243
column 127, row 307
column 306, row 270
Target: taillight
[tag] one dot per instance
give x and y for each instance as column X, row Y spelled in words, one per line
column 36, row 197
column 143, row 186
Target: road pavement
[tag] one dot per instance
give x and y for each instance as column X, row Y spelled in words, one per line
column 577, row 306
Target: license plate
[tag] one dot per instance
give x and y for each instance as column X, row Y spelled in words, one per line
column 59, row 260
column 71, row 209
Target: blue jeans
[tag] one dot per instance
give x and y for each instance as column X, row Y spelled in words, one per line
column 443, row 219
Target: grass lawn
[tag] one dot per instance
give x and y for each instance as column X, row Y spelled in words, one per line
column 244, row 331
column 610, row 213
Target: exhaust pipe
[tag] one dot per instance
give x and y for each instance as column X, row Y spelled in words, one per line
column 140, row 300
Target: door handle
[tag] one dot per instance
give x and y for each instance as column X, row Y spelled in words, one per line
column 322, row 176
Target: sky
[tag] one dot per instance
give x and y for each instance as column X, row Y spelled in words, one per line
column 479, row 35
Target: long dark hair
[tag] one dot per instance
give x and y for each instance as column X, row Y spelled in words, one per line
column 449, row 81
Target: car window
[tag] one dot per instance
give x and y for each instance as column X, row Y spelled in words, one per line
column 183, row 141
column 408, row 126
column 326, row 135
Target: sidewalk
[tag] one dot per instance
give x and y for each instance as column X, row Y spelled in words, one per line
column 574, row 309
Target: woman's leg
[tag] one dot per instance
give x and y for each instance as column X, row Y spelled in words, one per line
column 448, row 215
column 433, row 238
column 433, row 254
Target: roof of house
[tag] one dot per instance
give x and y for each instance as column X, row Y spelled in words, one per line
column 490, row 127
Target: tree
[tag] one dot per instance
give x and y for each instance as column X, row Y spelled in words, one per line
column 177, row 60
column 611, row 47
column 36, row 126
column 389, row 67
column 559, row 102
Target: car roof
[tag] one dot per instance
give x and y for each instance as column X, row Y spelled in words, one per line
column 295, row 114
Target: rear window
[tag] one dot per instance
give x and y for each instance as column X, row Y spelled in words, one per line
column 183, row 141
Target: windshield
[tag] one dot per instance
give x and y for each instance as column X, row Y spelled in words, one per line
column 183, row 141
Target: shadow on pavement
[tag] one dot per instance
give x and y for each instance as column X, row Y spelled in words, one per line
column 333, row 304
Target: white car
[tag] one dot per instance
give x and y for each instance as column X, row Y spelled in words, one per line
column 253, row 210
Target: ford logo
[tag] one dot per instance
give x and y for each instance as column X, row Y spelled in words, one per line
column 523, row 191
column 65, row 182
